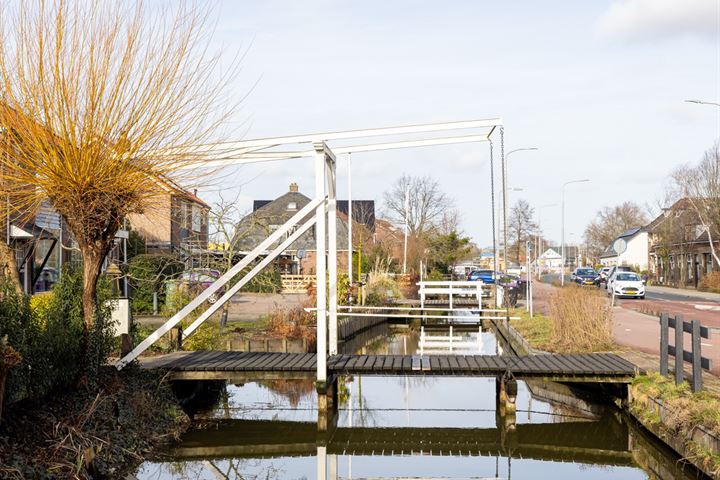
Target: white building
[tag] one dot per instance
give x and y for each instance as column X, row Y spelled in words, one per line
column 551, row 258
column 630, row 248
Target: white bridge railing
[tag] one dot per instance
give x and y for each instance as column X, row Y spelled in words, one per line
column 450, row 289
column 450, row 342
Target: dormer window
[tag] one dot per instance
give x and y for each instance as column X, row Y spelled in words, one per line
column 292, row 206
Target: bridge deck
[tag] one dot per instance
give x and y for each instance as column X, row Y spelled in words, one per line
column 603, row 367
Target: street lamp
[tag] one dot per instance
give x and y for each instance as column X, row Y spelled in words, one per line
column 562, row 227
column 538, row 249
column 702, row 102
column 504, row 187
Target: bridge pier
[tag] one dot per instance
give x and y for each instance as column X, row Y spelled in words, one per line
column 327, row 403
column 505, row 395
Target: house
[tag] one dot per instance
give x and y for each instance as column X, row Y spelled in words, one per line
column 551, row 258
column 175, row 222
column 680, row 253
column 268, row 216
column 629, row 248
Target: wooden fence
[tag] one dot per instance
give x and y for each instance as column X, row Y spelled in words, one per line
column 296, row 283
column 694, row 356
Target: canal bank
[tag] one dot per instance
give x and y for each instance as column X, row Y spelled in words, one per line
column 666, row 421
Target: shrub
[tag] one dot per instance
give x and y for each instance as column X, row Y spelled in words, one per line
column 148, row 274
column 710, row 282
column 49, row 334
column 581, row 320
column 293, row 323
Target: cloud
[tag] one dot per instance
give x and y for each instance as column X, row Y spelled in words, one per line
column 655, row 19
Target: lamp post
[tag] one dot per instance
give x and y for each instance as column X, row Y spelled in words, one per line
column 538, row 249
column 504, row 187
column 562, row 229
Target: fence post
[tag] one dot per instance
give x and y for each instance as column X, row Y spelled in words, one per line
column 679, row 349
column 664, row 331
column 696, row 357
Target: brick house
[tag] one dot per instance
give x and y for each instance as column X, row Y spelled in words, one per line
column 268, row 215
column 176, row 222
column 679, row 247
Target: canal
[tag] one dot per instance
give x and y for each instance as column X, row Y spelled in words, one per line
column 414, row 427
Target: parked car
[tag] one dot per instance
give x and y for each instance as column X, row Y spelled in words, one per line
column 604, row 272
column 611, row 271
column 585, row 276
column 626, row 284
column 485, row 276
column 198, row 280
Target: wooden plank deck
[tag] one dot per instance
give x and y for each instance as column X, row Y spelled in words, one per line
column 600, row 367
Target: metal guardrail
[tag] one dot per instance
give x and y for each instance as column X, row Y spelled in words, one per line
column 694, row 356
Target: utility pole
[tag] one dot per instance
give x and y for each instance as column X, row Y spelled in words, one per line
column 562, row 229
column 407, row 206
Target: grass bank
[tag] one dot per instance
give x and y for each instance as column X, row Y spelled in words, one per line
column 680, row 417
column 579, row 321
column 101, row 432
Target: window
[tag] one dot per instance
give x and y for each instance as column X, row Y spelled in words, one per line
column 184, row 214
column 197, row 217
column 292, row 206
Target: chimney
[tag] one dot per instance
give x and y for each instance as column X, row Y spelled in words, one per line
column 293, row 187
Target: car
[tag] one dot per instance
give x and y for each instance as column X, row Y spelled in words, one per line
column 199, row 279
column 626, row 284
column 48, row 277
column 585, row 276
column 604, row 272
column 485, row 276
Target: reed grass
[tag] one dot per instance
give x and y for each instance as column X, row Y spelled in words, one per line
column 581, row 320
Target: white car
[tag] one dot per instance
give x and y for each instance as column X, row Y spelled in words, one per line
column 626, row 284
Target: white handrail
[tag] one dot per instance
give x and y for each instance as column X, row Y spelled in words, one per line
column 248, row 276
column 220, row 282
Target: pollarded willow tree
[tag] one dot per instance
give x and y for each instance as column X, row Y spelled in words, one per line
column 99, row 103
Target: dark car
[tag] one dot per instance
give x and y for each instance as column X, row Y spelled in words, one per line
column 485, row 276
column 585, row 276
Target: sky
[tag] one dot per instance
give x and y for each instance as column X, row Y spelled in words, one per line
column 598, row 87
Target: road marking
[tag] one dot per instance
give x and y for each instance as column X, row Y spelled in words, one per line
column 628, row 330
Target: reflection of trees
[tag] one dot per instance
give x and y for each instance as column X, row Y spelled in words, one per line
column 293, row 390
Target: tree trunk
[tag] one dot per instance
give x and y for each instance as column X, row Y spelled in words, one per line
column 92, row 264
column 8, row 266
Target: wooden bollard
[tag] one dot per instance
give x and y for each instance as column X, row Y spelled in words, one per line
column 176, row 338
column 126, row 344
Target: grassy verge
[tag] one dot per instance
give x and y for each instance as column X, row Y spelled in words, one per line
column 579, row 321
column 537, row 331
column 101, row 432
column 686, row 411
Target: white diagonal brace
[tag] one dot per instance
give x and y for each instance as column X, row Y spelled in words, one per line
column 215, row 286
column 256, row 269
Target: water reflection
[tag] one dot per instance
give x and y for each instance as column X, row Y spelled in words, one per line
column 408, row 427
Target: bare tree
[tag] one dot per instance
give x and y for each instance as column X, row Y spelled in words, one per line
column 521, row 227
column 609, row 223
column 700, row 186
column 99, row 102
column 427, row 204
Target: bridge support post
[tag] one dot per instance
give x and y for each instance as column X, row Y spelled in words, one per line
column 505, row 395
column 327, row 403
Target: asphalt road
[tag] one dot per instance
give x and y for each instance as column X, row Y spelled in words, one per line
column 690, row 296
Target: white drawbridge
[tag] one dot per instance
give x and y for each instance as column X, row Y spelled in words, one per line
column 323, row 205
